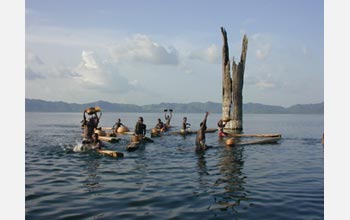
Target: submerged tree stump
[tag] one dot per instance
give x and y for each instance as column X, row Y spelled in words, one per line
column 232, row 87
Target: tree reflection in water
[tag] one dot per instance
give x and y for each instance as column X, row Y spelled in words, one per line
column 228, row 189
column 232, row 180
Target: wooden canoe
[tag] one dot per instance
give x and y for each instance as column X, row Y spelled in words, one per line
column 255, row 135
column 109, row 139
column 136, row 144
column 110, row 153
column 156, row 132
column 110, row 129
column 209, row 130
column 260, row 141
column 133, row 146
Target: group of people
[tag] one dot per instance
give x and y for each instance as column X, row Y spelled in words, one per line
column 91, row 137
column 161, row 126
column 140, row 129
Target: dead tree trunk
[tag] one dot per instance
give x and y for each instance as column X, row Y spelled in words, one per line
column 226, row 78
column 237, row 87
column 233, row 86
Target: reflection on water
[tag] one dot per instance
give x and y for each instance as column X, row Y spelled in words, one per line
column 228, row 188
column 92, row 180
column 202, row 169
column 231, row 179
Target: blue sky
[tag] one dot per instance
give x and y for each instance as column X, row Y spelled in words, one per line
column 147, row 52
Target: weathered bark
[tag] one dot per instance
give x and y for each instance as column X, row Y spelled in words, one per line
column 226, row 78
column 237, row 87
column 235, row 84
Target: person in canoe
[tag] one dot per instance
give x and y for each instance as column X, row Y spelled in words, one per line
column 139, row 136
column 200, row 138
column 117, row 125
column 221, row 125
column 185, row 125
column 168, row 117
column 90, row 125
column 160, row 125
column 93, row 144
column 140, row 128
column 96, row 143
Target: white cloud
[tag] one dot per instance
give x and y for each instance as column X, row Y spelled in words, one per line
column 92, row 73
column 89, row 60
column 141, row 48
column 210, row 54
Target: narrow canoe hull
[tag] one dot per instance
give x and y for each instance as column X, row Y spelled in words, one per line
column 136, row 144
column 111, row 153
column 209, row 130
column 109, row 139
column 261, row 141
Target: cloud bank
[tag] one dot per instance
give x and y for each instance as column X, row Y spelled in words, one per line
column 142, row 48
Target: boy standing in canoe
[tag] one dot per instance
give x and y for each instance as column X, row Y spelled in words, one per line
column 89, row 125
column 200, row 139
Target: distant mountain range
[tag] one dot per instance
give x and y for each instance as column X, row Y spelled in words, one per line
column 37, row 105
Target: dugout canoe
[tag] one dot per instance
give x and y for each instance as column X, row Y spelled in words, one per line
column 109, row 139
column 110, row 153
column 134, row 145
column 260, row 141
column 110, row 129
column 255, row 135
column 209, row 130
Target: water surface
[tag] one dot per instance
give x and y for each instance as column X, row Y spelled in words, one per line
column 167, row 179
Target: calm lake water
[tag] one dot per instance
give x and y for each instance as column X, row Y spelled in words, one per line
column 167, row 179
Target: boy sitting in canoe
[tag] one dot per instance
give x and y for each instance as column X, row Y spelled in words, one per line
column 184, row 127
column 140, row 129
column 93, row 144
column 160, row 125
column 221, row 125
